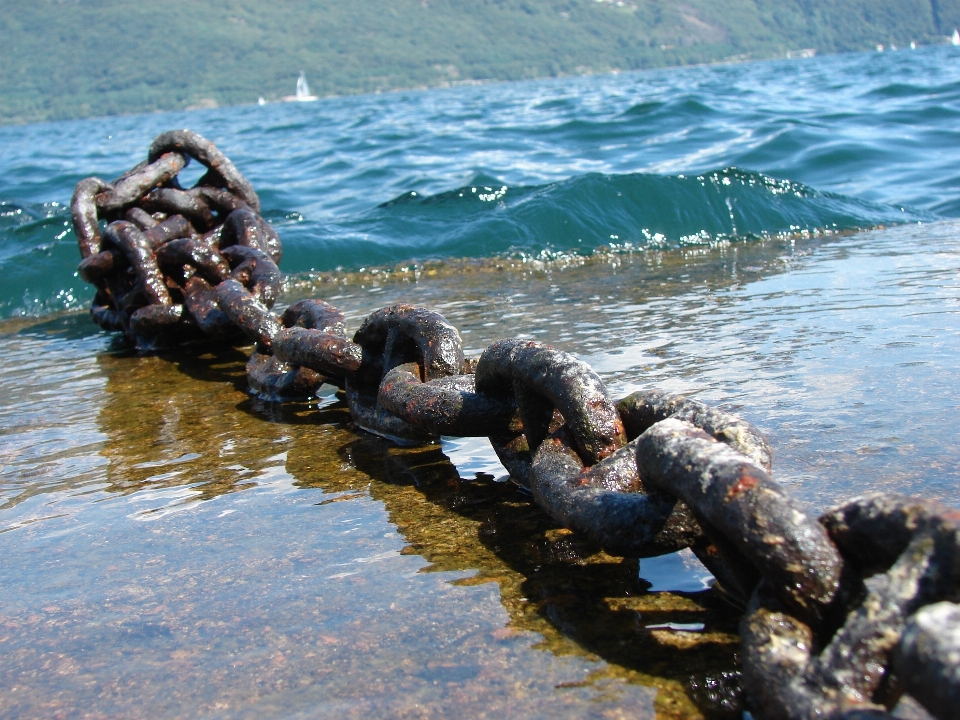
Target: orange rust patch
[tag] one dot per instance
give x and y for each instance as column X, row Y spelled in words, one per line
column 606, row 452
column 746, row 482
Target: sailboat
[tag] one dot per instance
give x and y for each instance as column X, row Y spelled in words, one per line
column 303, row 91
column 955, row 38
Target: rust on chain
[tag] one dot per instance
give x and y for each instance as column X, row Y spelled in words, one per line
column 156, row 320
column 129, row 188
column 315, row 315
column 170, row 228
column 174, row 258
column 221, row 172
column 172, row 201
column 222, row 201
column 784, row 674
column 96, row 268
column 444, row 406
column 272, row 379
column 83, row 212
column 843, row 614
column 543, row 379
column 926, row 658
column 256, row 271
column 310, row 350
column 326, row 352
column 248, row 313
column 395, row 336
column 639, row 523
column 244, row 227
column 161, row 248
column 644, row 408
column 202, row 303
column 731, row 494
column 403, row 333
column 141, row 218
column 127, row 238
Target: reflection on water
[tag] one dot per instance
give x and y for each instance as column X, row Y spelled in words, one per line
column 174, row 548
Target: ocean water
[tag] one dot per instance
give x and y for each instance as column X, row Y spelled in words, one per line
column 779, row 239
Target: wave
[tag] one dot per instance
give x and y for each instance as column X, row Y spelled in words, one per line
column 488, row 218
column 484, row 218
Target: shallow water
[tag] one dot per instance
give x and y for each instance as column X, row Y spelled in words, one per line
column 174, row 548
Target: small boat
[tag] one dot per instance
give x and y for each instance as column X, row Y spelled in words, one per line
column 303, row 91
column 955, row 38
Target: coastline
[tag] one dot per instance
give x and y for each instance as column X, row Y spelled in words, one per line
column 211, row 105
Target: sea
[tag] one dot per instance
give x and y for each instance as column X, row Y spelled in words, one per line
column 780, row 239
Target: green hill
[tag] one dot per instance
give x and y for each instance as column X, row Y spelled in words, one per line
column 76, row 58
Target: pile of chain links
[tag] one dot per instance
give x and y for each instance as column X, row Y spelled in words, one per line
column 842, row 613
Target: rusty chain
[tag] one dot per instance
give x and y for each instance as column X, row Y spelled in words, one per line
column 842, row 613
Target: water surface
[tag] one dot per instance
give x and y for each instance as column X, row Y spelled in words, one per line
column 174, row 548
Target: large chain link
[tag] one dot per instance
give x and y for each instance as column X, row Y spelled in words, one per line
column 842, row 613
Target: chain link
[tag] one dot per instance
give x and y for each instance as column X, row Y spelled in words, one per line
column 842, row 614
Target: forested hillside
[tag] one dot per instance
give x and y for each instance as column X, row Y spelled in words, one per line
column 76, row 58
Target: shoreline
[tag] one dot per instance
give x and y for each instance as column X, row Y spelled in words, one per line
column 202, row 105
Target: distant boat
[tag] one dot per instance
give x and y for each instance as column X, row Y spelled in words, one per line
column 303, row 91
column 955, row 39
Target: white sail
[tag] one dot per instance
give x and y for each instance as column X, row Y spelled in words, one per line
column 303, row 90
column 955, row 39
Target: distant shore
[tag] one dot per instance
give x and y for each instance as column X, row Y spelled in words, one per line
column 206, row 104
column 133, row 58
